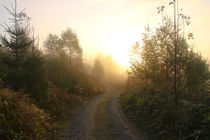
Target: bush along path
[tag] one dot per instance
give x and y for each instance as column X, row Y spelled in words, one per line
column 101, row 118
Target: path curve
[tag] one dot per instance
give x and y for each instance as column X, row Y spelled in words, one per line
column 102, row 118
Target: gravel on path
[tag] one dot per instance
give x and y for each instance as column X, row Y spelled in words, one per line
column 102, row 119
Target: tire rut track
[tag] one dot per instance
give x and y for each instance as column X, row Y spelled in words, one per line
column 101, row 118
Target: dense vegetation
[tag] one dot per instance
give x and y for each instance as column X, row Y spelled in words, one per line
column 149, row 100
column 40, row 89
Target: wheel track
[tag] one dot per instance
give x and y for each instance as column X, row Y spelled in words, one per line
column 102, row 118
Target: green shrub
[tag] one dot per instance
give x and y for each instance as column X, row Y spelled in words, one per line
column 195, row 123
column 161, row 119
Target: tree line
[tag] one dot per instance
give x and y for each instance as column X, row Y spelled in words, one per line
column 39, row 89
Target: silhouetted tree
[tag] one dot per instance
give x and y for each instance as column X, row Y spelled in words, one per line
column 152, row 63
column 22, row 58
column 53, row 45
column 17, row 44
column 65, row 46
column 64, row 60
column 71, row 46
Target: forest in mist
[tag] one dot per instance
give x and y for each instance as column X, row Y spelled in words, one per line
column 164, row 93
column 38, row 87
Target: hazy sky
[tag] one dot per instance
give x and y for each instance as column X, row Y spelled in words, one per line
column 110, row 26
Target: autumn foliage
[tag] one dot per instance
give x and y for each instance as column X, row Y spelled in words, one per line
column 39, row 90
column 20, row 118
column 149, row 100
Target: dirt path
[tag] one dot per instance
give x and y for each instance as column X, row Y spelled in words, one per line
column 102, row 119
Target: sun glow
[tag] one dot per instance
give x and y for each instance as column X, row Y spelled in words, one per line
column 121, row 57
column 109, row 26
column 118, row 44
column 118, row 47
